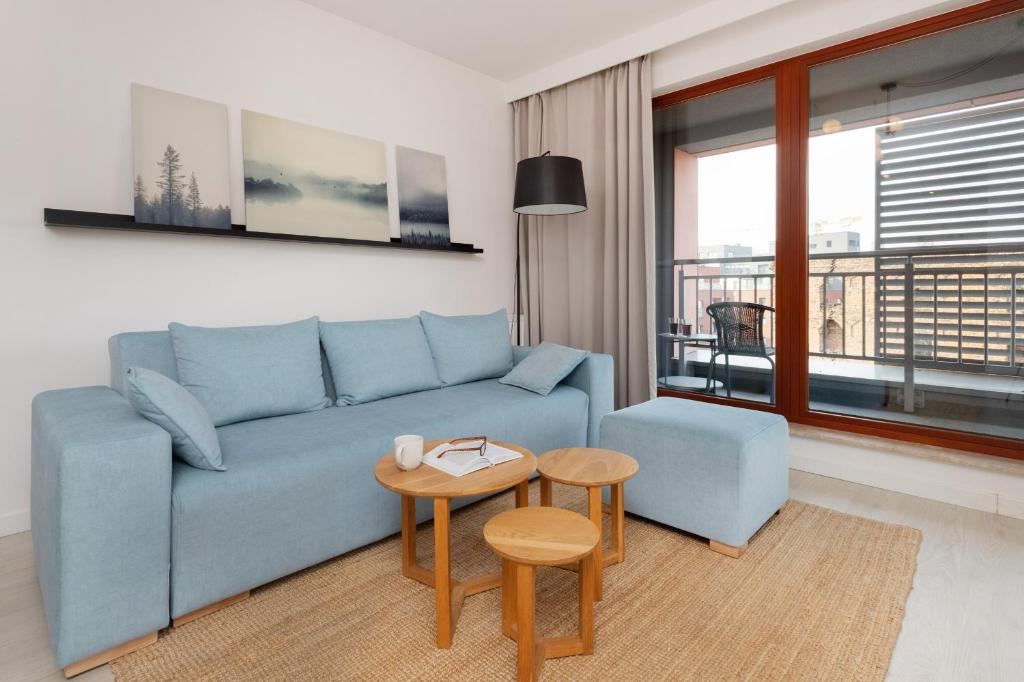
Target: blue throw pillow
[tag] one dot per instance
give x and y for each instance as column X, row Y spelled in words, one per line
column 378, row 358
column 165, row 403
column 544, row 367
column 243, row 373
column 469, row 347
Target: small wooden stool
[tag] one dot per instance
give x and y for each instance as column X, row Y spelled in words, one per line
column 592, row 468
column 528, row 537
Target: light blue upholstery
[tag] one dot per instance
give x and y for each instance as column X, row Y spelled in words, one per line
column 114, row 516
column 165, row 403
column 154, row 350
column 595, row 376
column 101, row 495
column 715, row 471
column 544, row 367
column 242, row 373
column 469, row 347
column 300, row 489
column 377, row 359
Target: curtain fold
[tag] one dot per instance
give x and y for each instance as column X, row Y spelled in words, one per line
column 587, row 280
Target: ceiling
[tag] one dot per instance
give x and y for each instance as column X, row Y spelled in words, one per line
column 506, row 39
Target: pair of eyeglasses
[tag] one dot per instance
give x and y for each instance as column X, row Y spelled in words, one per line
column 482, row 448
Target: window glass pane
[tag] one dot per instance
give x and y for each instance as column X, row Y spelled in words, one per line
column 916, row 231
column 715, row 191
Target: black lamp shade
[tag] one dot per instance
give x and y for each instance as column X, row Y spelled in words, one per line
column 549, row 185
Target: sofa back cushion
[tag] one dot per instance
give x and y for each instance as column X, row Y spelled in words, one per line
column 469, row 347
column 242, row 373
column 378, row 358
column 155, row 351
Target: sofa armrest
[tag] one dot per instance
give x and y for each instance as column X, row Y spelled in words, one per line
column 101, row 509
column 595, row 376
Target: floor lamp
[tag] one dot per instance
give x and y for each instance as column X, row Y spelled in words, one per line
column 545, row 185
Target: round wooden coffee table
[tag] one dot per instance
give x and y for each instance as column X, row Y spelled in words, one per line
column 426, row 481
column 542, row 536
column 592, row 468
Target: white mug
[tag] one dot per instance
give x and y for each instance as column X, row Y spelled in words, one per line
column 408, row 452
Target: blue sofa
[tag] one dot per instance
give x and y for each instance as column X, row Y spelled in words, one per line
column 127, row 537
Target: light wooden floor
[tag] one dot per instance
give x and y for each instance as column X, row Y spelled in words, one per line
column 965, row 616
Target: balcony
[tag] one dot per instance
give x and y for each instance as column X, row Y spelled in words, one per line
column 965, row 309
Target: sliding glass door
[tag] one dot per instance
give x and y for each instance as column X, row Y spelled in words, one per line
column 916, row 231
column 716, row 229
column 873, row 193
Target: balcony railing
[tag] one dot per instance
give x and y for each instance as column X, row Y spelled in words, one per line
column 966, row 309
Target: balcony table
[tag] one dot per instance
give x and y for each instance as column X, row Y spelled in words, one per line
column 682, row 381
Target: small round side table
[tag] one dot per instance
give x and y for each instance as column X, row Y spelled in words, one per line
column 592, row 468
column 426, row 481
column 528, row 537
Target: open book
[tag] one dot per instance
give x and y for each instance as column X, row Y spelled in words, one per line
column 462, row 463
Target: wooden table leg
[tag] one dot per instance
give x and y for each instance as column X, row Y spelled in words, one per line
column 508, row 598
column 594, row 495
column 588, row 571
column 408, row 535
column 618, row 514
column 523, row 494
column 527, row 647
column 442, row 572
column 545, row 491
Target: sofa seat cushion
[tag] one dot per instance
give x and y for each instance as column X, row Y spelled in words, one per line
column 299, row 489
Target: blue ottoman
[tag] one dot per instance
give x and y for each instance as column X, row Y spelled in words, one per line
column 715, row 471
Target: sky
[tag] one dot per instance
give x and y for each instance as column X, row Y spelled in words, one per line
column 736, row 190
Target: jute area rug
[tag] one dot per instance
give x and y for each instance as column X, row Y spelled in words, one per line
column 820, row 595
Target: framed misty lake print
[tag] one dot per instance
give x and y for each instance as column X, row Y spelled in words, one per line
column 305, row 180
column 180, row 158
column 422, row 197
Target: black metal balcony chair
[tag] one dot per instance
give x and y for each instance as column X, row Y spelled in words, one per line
column 740, row 331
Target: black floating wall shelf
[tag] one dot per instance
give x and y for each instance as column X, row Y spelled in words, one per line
column 56, row 217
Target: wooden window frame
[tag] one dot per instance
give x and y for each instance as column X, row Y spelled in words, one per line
column 792, row 94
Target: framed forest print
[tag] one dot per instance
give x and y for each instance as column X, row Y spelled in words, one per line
column 180, row 155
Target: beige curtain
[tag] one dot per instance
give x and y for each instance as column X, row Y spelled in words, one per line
column 587, row 279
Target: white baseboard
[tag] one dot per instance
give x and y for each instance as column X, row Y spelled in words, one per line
column 977, row 482
column 15, row 522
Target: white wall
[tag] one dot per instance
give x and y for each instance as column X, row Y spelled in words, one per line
column 65, row 142
column 990, row 484
column 784, row 31
column 721, row 37
column 701, row 19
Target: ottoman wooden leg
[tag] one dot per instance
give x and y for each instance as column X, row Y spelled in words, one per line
column 728, row 550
